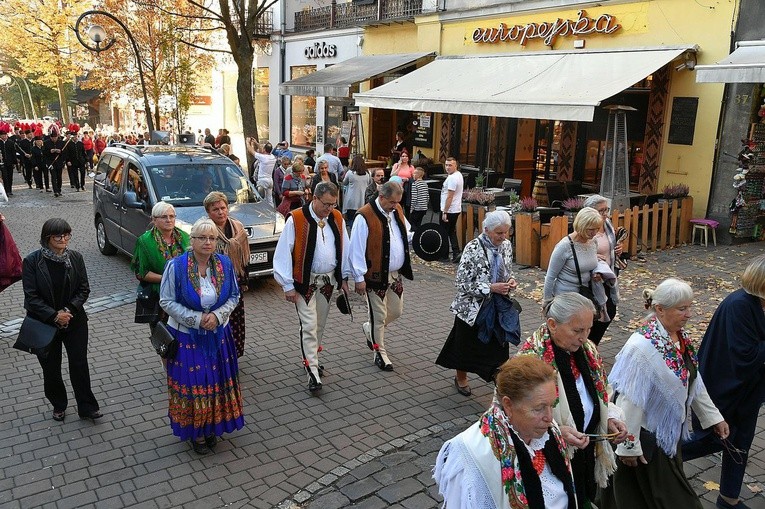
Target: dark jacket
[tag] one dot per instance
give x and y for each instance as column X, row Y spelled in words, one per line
column 24, row 147
column 38, row 157
column 38, row 291
column 317, row 178
column 8, row 151
column 55, row 159
column 75, row 153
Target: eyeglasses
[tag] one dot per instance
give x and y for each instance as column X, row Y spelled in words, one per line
column 205, row 240
column 329, row 205
column 166, row 217
column 604, row 211
column 63, row 236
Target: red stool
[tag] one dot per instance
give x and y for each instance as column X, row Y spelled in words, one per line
column 704, row 225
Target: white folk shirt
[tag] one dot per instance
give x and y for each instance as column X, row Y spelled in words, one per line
column 359, row 235
column 323, row 255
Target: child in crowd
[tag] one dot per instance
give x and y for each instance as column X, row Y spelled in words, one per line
column 420, row 198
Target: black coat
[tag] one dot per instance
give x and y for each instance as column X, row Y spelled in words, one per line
column 38, row 157
column 8, row 151
column 75, row 153
column 732, row 356
column 23, row 147
column 57, row 160
column 38, row 292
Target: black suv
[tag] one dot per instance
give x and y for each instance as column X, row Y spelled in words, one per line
column 131, row 179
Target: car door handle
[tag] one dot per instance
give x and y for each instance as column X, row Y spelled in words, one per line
column 116, row 204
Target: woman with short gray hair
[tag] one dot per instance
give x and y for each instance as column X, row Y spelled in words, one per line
column 609, row 249
column 656, row 376
column 484, row 276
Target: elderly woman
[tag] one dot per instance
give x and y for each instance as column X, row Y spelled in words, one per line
column 608, row 251
column 164, row 241
column 485, row 274
column 574, row 259
column 199, row 292
column 322, row 175
column 295, row 187
column 732, row 354
column 657, row 380
column 514, row 456
column 582, row 409
column 55, row 290
column 232, row 242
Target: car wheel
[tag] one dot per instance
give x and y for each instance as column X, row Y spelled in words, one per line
column 102, row 240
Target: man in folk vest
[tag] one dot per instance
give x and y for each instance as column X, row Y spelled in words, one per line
column 310, row 261
column 379, row 257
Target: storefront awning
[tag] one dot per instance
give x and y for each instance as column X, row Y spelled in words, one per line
column 560, row 85
column 745, row 65
column 337, row 80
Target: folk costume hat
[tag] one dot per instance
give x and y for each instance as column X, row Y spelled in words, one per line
column 5, row 128
column 344, row 304
column 430, row 242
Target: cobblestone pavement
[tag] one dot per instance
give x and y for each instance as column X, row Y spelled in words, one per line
column 368, row 440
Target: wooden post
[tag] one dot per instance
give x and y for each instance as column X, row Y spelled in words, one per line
column 654, row 226
column 673, row 238
column 461, row 229
column 686, row 214
column 481, row 217
column 662, row 231
column 644, row 231
column 527, row 234
column 558, row 229
column 470, row 230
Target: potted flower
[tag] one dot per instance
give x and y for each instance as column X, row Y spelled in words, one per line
column 675, row 191
column 572, row 206
column 528, row 204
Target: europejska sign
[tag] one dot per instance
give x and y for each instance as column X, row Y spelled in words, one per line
column 548, row 31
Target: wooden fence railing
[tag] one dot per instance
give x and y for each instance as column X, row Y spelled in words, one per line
column 650, row 228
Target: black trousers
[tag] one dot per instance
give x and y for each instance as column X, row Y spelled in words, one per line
column 28, row 170
column 8, row 171
column 599, row 328
column 415, row 218
column 55, row 179
column 75, row 339
column 451, row 230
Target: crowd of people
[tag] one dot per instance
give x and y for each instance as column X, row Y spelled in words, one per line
column 560, row 432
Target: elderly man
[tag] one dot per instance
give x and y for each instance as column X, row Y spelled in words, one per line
column 379, row 258
column 310, row 261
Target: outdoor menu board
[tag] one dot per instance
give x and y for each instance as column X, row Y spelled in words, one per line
column 423, row 130
column 682, row 124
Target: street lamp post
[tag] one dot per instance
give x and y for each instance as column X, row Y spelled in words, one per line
column 97, row 34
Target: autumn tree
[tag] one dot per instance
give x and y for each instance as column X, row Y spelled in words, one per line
column 243, row 24
column 39, row 36
column 170, row 69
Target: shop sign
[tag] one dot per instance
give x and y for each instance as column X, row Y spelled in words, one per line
column 200, row 100
column 548, row 31
column 423, row 130
column 682, row 124
column 320, row 50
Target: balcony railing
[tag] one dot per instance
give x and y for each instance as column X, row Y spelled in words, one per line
column 351, row 14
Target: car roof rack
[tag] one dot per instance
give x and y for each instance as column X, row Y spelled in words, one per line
column 179, row 149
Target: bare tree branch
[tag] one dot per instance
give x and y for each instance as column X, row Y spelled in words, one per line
column 187, row 43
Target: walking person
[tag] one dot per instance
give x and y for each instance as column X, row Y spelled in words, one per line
column 356, row 180
column 7, row 158
column 55, row 158
column 485, row 274
column 732, row 355
column 379, row 258
column 266, row 163
column 607, row 251
column 656, row 376
column 24, row 147
column 451, row 204
column 56, row 288
column 322, row 175
column 310, row 262
column 373, row 189
column 232, row 242
column 199, row 292
column 40, row 168
column 420, row 199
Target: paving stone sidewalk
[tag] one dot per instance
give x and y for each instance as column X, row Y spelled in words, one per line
column 292, row 441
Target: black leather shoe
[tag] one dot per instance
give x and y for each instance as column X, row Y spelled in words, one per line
column 200, row 447
column 59, row 416
column 313, row 385
column 211, row 441
column 380, row 364
column 321, row 370
column 95, row 414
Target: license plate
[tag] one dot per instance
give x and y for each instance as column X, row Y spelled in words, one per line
column 258, row 257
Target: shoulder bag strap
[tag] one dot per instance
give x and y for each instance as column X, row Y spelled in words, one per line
column 576, row 261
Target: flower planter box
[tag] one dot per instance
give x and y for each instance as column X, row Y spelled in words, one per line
column 527, row 236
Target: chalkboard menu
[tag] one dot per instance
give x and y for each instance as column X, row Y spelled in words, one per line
column 683, row 121
column 423, row 130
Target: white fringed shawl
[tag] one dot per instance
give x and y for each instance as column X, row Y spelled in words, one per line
column 641, row 374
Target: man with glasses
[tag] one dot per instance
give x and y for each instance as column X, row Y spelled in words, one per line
column 310, row 261
column 379, row 257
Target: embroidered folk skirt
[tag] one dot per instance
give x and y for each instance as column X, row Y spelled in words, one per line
column 465, row 352
column 203, row 392
column 236, row 320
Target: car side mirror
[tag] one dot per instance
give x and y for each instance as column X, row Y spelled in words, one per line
column 131, row 200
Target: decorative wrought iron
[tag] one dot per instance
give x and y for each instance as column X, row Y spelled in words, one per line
column 351, row 14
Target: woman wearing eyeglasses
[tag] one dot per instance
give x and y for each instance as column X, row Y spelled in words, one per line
column 198, row 292
column 55, row 290
column 163, row 242
column 608, row 251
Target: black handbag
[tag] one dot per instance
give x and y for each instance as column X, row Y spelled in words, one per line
column 163, row 341
column 583, row 290
column 146, row 304
column 35, row 337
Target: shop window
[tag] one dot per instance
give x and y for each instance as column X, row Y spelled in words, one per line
column 303, row 121
column 260, row 77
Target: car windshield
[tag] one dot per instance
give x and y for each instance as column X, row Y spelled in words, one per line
column 187, row 185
